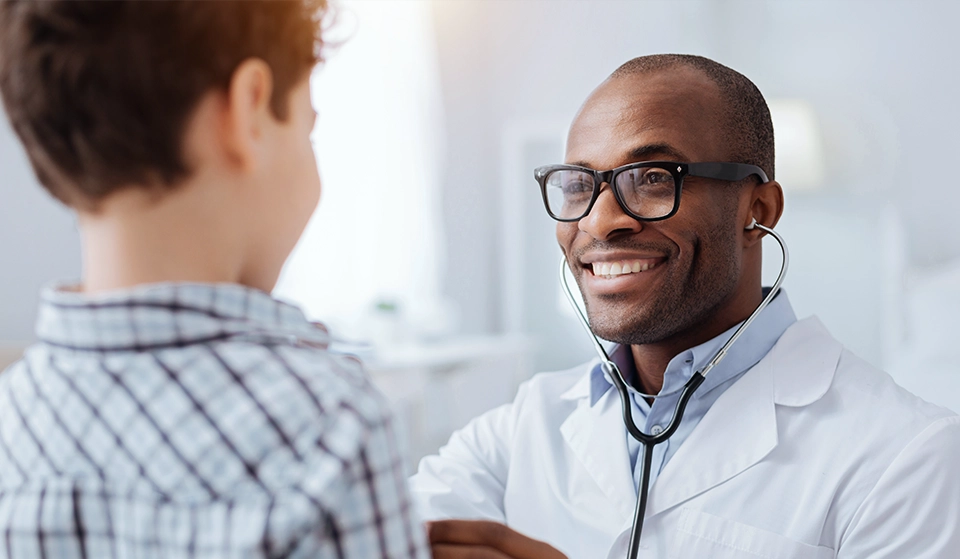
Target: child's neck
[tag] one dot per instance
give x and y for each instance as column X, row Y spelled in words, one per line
column 185, row 235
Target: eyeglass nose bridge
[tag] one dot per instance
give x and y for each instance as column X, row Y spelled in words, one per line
column 604, row 177
column 607, row 177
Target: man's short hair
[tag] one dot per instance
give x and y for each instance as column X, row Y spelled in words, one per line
column 100, row 93
column 747, row 125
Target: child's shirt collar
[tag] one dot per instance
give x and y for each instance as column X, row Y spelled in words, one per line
column 162, row 315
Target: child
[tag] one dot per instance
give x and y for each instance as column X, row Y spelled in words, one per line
column 171, row 407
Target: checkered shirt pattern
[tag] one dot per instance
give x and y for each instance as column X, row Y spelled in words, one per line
column 195, row 420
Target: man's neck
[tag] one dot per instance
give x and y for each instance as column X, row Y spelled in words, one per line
column 651, row 360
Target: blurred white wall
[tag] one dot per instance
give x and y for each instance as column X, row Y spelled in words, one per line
column 38, row 241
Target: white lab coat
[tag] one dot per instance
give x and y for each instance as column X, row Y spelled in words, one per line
column 812, row 454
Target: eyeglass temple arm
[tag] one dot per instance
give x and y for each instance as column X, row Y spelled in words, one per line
column 726, row 171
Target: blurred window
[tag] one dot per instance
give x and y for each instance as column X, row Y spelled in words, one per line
column 374, row 243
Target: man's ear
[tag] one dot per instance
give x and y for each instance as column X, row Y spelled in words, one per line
column 765, row 206
column 247, row 112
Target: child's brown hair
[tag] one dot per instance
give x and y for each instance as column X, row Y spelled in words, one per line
column 100, row 92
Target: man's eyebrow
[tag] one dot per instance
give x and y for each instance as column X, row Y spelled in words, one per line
column 648, row 152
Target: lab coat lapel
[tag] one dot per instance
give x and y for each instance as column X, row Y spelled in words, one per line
column 736, row 433
column 596, row 436
column 740, row 429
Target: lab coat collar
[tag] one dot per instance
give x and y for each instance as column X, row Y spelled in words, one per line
column 802, row 376
column 791, row 374
column 581, row 388
column 740, row 429
column 755, row 343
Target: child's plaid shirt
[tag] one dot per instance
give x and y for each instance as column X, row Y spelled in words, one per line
column 193, row 420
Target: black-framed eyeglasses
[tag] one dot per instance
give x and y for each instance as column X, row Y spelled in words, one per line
column 646, row 191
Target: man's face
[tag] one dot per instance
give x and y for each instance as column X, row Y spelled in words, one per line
column 689, row 263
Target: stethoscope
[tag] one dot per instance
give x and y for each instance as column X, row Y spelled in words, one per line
column 613, row 372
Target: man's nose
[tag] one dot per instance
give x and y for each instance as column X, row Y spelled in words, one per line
column 607, row 219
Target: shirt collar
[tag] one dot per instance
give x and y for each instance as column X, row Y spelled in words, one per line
column 756, row 341
column 162, row 315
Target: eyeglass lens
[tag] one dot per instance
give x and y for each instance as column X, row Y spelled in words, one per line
column 648, row 192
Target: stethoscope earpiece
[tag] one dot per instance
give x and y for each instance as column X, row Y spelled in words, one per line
column 753, row 224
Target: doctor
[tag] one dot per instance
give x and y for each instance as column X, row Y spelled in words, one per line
column 793, row 448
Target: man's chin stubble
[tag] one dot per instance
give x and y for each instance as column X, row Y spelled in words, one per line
column 630, row 330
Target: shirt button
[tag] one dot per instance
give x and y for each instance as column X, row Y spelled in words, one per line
column 656, row 430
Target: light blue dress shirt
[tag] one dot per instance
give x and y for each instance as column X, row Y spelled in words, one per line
column 755, row 342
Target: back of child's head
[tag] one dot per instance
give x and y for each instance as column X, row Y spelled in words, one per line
column 100, row 93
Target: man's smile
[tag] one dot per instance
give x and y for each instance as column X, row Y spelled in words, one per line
column 622, row 267
column 608, row 273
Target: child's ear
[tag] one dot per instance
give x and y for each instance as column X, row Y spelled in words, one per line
column 248, row 112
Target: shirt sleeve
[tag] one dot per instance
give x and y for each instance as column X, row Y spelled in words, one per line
column 914, row 509
column 468, row 477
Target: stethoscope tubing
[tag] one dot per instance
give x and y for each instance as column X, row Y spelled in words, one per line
column 649, row 441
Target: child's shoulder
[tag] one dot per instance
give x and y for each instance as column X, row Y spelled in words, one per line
column 313, row 393
column 314, row 380
column 321, row 408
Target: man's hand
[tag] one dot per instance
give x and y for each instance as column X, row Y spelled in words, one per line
column 481, row 539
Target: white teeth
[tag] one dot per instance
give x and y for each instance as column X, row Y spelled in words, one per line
column 609, row 269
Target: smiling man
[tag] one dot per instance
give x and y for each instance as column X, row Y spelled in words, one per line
column 791, row 447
